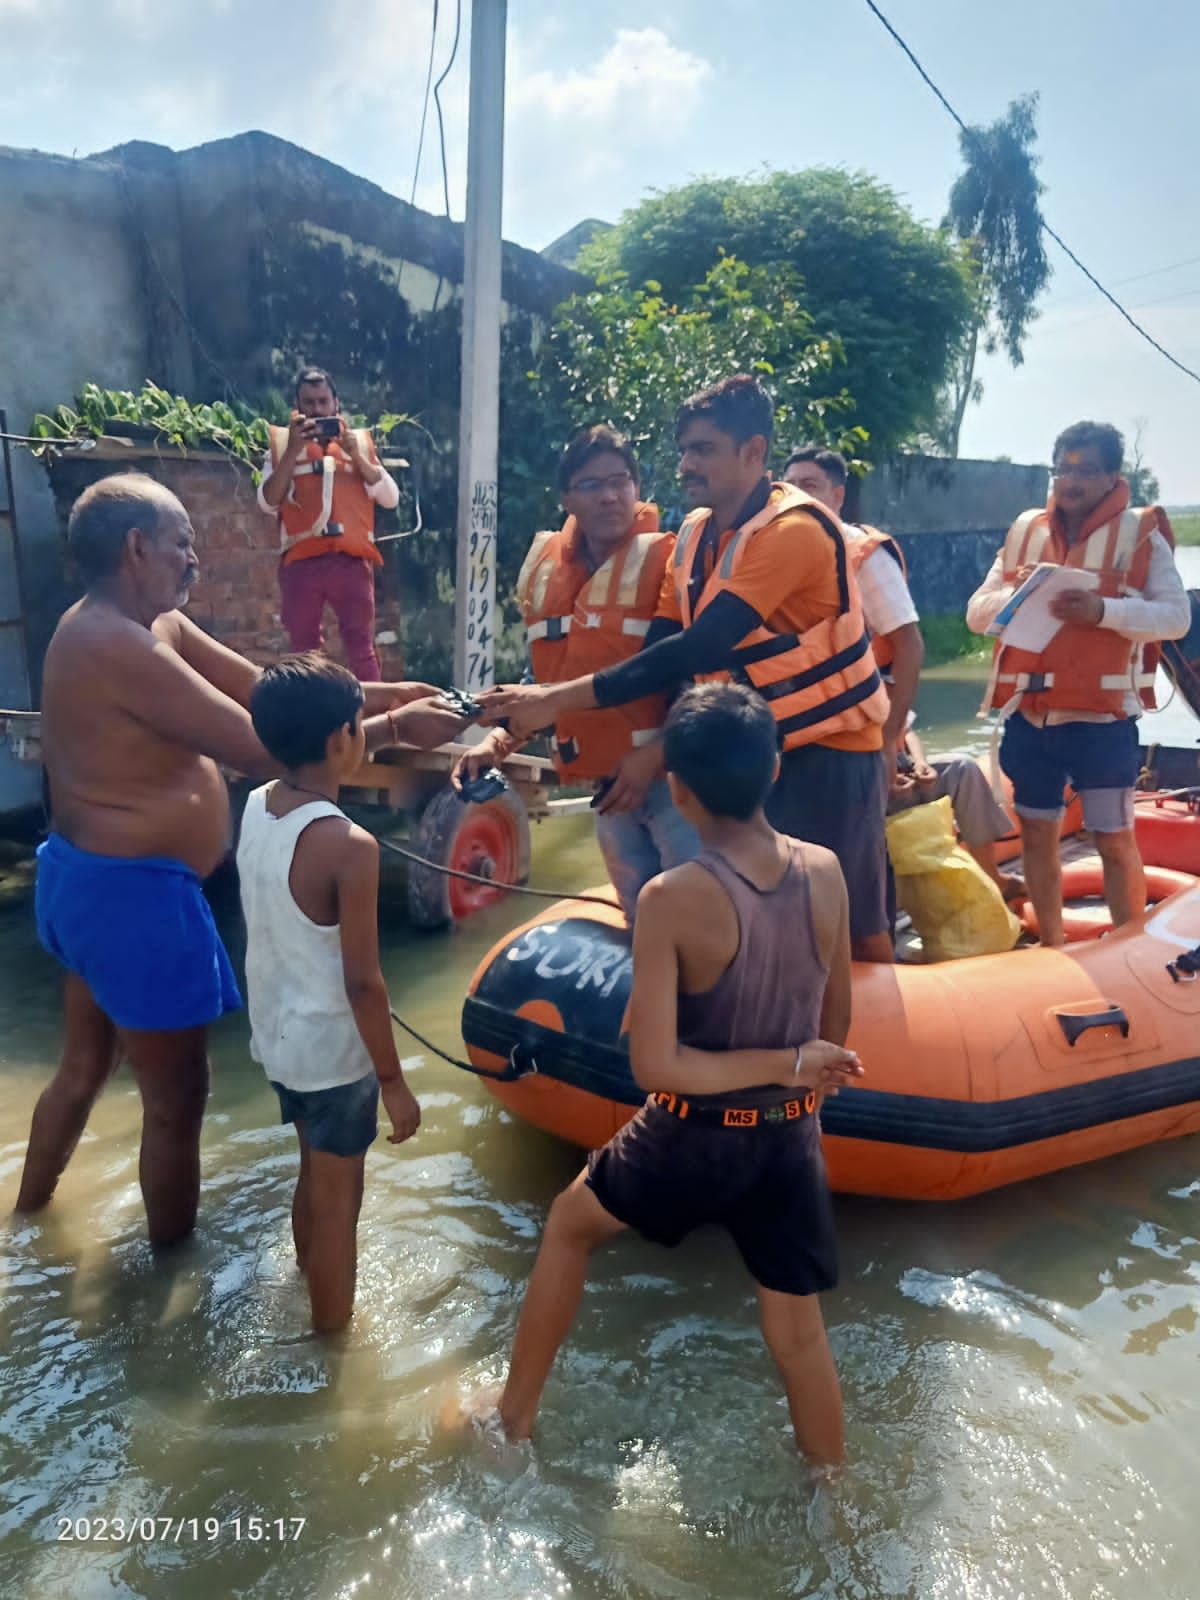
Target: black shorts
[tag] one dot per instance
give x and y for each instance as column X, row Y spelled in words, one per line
column 665, row 1176
column 838, row 798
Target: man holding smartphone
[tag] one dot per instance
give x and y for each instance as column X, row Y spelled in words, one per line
column 323, row 481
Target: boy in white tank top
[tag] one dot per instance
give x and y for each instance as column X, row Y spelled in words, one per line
column 319, row 1014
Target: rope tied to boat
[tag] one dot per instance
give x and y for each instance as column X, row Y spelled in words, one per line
column 521, row 1061
column 493, row 883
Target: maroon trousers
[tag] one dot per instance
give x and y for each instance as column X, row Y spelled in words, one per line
column 347, row 583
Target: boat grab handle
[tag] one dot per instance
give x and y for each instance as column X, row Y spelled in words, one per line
column 1185, row 967
column 1073, row 1024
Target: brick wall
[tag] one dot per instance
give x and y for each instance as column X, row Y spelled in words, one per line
column 236, row 598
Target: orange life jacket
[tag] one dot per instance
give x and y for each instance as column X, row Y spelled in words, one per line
column 817, row 683
column 863, row 541
column 579, row 621
column 327, row 508
column 1082, row 668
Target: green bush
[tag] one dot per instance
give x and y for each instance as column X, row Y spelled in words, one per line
column 949, row 639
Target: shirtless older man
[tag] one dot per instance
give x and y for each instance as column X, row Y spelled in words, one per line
column 138, row 707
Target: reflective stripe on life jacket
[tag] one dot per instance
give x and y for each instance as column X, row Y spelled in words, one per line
column 327, row 507
column 1082, row 668
column 862, row 541
column 817, row 683
column 578, row 622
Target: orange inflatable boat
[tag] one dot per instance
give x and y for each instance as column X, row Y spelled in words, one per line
column 978, row 1073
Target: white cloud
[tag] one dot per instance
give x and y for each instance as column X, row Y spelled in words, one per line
column 583, row 140
column 641, row 75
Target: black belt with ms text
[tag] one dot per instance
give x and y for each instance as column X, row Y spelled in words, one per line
column 773, row 1116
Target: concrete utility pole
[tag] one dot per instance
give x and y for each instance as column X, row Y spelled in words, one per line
column 479, row 417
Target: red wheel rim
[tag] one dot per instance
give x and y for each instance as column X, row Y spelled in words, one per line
column 487, row 845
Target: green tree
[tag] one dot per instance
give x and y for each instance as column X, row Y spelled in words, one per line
column 995, row 211
column 894, row 293
column 632, row 356
column 1142, row 479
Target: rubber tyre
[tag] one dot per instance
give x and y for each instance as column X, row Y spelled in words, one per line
column 491, row 839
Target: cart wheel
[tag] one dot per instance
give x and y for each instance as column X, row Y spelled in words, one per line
column 491, row 840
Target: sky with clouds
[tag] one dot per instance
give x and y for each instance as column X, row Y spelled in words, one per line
column 605, row 103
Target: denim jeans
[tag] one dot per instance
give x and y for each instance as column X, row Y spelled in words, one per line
column 637, row 845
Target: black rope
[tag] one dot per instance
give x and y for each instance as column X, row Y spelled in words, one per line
column 493, row 883
column 521, row 1064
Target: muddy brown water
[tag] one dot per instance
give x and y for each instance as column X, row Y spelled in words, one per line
column 1021, row 1370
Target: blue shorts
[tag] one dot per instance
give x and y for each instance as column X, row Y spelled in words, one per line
column 139, row 932
column 341, row 1121
column 1100, row 760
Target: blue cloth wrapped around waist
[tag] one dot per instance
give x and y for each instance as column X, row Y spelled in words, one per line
column 139, row 932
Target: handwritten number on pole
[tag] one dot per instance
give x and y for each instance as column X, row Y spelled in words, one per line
column 481, row 584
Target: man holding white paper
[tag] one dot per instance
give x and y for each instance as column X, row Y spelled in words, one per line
column 1074, row 664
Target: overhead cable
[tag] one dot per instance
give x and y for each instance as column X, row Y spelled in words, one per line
column 412, row 199
column 1046, row 228
column 437, row 100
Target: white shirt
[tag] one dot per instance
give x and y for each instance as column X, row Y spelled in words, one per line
column 302, row 1028
column 1161, row 611
column 886, row 601
column 384, row 491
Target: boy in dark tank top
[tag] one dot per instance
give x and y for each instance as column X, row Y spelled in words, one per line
column 739, row 1009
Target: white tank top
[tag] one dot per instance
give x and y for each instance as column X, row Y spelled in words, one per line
column 302, row 1028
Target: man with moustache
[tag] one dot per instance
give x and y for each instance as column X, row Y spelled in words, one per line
column 138, row 708
column 760, row 590
column 1071, row 708
column 588, row 594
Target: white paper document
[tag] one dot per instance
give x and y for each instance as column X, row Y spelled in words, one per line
column 1026, row 621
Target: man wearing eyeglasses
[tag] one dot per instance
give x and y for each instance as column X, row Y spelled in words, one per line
column 1070, row 709
column 587, row 594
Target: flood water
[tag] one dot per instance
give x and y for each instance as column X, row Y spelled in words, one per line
column 1020, row 1371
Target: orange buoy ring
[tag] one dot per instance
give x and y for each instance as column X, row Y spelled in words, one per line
column 1085, row 912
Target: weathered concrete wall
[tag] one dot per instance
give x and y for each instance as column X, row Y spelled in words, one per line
column 70, row 311
column 950, row 518
column 217, row 272
column 930, row 494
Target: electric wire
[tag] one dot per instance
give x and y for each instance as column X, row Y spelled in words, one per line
column 1046, row 228
column 412, row 199
column 437, row 100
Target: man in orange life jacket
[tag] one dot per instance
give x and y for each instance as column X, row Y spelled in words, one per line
column 587, row 595
column 1071, row 709
column 760, row 589
column 879, row 567
column 899, row 649
column 324, row 485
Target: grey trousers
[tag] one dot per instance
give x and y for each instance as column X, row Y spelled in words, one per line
column 977, row 816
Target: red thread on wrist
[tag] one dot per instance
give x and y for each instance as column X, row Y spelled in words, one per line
column 391, row 716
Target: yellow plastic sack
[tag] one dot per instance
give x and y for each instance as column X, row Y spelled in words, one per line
column 955, row 907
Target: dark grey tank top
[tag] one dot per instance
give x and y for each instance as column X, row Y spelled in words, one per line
column 770, row 994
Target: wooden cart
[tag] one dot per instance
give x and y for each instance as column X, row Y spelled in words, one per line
column 403, row 789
